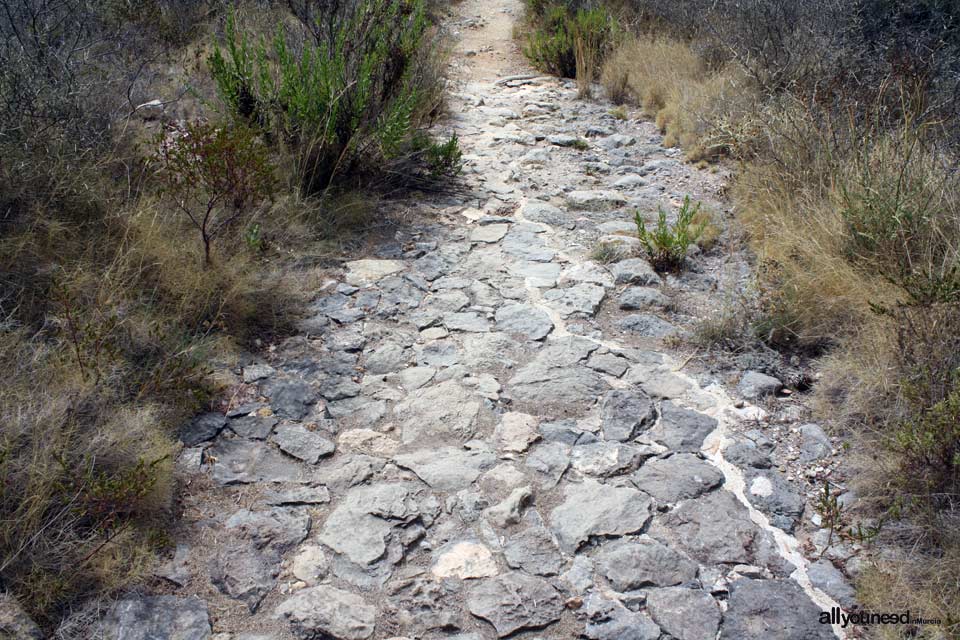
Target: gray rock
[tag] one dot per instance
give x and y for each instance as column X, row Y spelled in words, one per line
column 244, row 573
column 629, row 182
column 770, row 492
column 466, row 321
column 536, row 211
column 15, row 624
column 153, row 617
column 579, row 577
column 814, row 443
column 416, row 377
column 639, row 298
column 614, row 227
column 435, row 264
column 362, row 526
column 525, row 320
column 625, row 414
column 204, row 427
column 447, row 468
column 300, row 442
column 755, row 385
column 297, row 496
column 446, row 410
column 245, row 462
column 681, row 429
column 338, row 388
column 635, row 271
column 533, row 550
column 646, row 325
column 616, row 140
column 447, row 300
column 567, row 432
column 550, row 460
column 644, row 562
column 610, row 620
column 537, row 274
column 364, row 272
column 686, row 614
column 290, row 398
column 345, row 340
column 348, row 471
column 595, row 200
column 245, row 409
column 489, row 233
column 555, row 377
column 591, row 509
column 525, row 245
column 510, row 509
column 682, row 476
column 579, row 300
column 277, row 529
column 361, row 410
column 746, row 454
column 830, row 580
column 177, row 569
column 565, row 140
column 328, row 612
column 425, row 604
column 254, row 427
column 763, row 609
column 515, row 601
column 589, row 272
column 439, row 353
column 386, row 358
column 490, row 351
column 717, row 529
column 609, row 363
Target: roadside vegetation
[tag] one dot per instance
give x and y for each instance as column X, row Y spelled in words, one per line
column 168, row 168
column 842, row 119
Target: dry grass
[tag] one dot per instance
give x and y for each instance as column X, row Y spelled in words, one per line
column 926, row 585
column 104, row 362
column 674, row 87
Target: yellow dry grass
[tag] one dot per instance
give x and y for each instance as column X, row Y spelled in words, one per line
column 673, row 86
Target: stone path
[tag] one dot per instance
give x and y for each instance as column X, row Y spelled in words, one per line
column 480, row 433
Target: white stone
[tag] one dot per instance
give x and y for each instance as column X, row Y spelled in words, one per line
column 369, row 441
column 310, row 564
column 516, row 432
column 761, row 486
column 364, row 272
column 465, row 560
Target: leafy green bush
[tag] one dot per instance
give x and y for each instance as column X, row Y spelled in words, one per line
column 667, row 244
column 442, row 158
column 929, row 446
column 564, row 37
column 344, row 93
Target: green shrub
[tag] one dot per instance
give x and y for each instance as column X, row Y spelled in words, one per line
column 929, row 446
column 442, row 158
column 344, row 94
column 564, row 38
column 667, row 244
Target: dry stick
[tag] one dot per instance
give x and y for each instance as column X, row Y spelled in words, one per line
column 688, row 359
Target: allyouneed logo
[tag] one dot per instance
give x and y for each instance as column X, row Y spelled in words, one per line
column 837, row 616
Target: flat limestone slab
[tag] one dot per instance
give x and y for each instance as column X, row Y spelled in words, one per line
column 364, row 272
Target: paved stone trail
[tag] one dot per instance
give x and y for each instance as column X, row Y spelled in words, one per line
column 480, row 433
